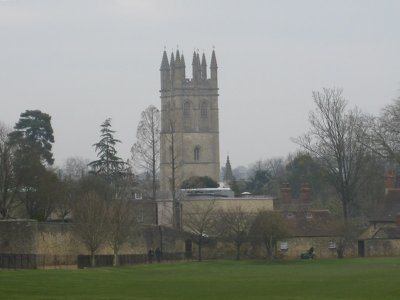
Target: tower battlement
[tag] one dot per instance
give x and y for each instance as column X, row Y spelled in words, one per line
column 173, row 72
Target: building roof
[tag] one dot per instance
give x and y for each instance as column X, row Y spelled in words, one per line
column 311, row 223
column 387, row 233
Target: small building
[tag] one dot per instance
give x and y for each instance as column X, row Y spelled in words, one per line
column 222, row 198
column 308, row 227
column 382, row 237
column 144, row 208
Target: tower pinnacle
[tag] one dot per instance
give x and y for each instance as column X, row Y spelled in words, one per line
column 177, row 59
column 213, row 69
column 203, row 67
column 164, row 62
column 195, row 66
column 213, row 61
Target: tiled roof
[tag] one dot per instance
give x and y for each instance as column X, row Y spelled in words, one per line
column 388, row 233
column 311, row 223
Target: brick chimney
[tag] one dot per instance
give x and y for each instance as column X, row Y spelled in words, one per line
column 305, row 191
column 286, row 196
column 390, row 180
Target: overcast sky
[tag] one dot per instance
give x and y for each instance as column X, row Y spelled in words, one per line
column 82, row 61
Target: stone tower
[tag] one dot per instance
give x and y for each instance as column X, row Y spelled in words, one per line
column 189, row 121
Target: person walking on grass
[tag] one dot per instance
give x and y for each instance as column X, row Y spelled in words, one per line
column 150, row 255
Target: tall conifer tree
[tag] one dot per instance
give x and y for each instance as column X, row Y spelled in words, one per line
column 108, row 163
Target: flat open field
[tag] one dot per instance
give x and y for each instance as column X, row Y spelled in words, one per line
column 360, row 278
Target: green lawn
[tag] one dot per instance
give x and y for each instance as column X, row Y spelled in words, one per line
column 367, row 278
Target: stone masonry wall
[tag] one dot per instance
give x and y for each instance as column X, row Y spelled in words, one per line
column 18, row 236
column 382, row 247
column 31, row 237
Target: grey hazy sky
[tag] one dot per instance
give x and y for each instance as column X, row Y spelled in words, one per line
column 82, row 61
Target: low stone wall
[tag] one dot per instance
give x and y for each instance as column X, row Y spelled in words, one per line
column 382, row 247
column 18, row 236
column 324, row 247
column 32, row 237
column 57, row 239
column 295, row 246
column 50, row 239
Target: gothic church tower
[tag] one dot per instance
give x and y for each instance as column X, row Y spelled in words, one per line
column 189, row 121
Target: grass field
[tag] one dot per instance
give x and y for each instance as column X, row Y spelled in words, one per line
column 367, row 278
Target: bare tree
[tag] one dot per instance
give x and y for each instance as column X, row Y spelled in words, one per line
column 268, row 228
column 75, row 168
column 235, row 224
column 8, row 180
column 334, row 140
column 266, row 176
column 199, row 219
column 91, row 221
column 71, row 173
column 68, row 192
column 345, row 234
column 174, row 180
column 121, row 225
column 146, row 151
column 384, row 132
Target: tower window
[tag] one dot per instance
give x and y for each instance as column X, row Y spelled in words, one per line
column 204, row 110
column 197, row 153
column 186, row 109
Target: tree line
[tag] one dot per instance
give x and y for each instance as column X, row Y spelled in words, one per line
column 342, row 157
column 94, row 194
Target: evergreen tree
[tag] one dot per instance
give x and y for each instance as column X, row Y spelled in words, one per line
column 33, row 136
column 108, row 163
column 32, row 140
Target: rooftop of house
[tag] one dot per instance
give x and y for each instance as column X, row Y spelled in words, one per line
column 387, row 233
column 311, row 223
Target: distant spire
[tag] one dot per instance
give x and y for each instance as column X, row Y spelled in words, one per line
column 213, row 61
column 164, row 62
column 172, row 58
column 228, row 176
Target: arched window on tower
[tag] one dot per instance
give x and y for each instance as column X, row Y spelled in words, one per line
column 204, row 110
column 196, row 153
